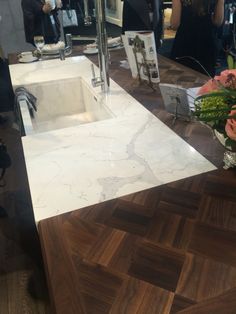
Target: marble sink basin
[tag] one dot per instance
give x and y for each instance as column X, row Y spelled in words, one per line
column 61, row 104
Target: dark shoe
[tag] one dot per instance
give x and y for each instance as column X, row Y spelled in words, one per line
column 3, row 213
column 3, row 120
column 2, row 183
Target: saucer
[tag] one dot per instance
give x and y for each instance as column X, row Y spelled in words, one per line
column 53, row 48
column 22, row 60
column 113, row 45
column 52, row 52
column 90, row 51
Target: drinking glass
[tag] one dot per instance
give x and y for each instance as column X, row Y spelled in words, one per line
column 39, row 43
column 68, row 44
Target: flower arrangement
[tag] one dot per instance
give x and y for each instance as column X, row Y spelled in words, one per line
column 216, row 106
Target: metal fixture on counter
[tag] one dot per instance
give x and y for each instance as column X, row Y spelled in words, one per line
column 69, row 43
column 68, row 48
column 62, row 54
column 103, row 56
column 87, row 17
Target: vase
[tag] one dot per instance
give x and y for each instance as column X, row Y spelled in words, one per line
column 229, row 155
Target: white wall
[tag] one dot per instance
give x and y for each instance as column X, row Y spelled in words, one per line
column 117, row 17
column 12, row 37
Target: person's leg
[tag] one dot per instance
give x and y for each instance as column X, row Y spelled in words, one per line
column 6, row 90
column 2, row 181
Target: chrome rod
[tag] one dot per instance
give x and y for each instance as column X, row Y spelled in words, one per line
column 103, row 56
column 87, row 17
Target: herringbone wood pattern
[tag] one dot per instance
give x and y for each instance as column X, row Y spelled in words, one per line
column 169, row 249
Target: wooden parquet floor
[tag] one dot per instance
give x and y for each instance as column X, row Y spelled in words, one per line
column 169, row 249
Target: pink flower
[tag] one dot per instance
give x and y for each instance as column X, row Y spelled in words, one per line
column 225, row 73
column 219, row 80
column 230, row 127
column 209, row 86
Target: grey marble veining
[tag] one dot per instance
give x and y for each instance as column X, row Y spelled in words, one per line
column 81, row 165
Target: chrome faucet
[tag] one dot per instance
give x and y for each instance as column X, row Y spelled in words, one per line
column 103, row 56
column 63, row 52
column 87, row 17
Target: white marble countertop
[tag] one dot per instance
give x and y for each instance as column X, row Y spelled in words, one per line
column 82, row 165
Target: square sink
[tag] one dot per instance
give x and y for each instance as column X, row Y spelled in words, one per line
column 61, row 104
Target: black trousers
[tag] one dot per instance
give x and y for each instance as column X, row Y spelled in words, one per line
column 6, row 91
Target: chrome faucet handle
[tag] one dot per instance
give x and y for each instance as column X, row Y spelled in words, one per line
column 69, row 40
column 87, row 20
column 93, row 71
column 69, row 45
column 62, row 54
column 96, row 81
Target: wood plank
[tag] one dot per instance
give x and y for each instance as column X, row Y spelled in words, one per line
column 180, row 202
column 219, row 186
column 98, row 287
column 138, row 297
column 215, row 243
column 121, row 258
column 157, row 265
column 217, row 211
column 223, row 304
column 170, row 230
column 179, row 303
column 80, row 243
column 203, row 278
column 129, row 221
column 60, row 269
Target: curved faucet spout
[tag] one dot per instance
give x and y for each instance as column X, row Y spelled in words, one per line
column 103, row 56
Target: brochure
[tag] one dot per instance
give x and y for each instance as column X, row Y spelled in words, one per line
column 141, row 53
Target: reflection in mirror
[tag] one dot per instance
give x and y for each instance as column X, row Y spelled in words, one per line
column 82, row 24
column 87, row 17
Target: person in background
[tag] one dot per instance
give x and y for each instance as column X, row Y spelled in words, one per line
column 6, row 91
column 229, row 27
column 196, row 22
column 41, row 19
column 141, row 15
column 5, row 162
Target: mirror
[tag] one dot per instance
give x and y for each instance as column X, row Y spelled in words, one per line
column 78, row 18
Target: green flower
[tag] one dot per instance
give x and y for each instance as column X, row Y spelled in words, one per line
column 212, row 108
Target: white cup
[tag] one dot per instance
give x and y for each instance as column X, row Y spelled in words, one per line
column 52, row 3
column 91, row 48
column 26, row 56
